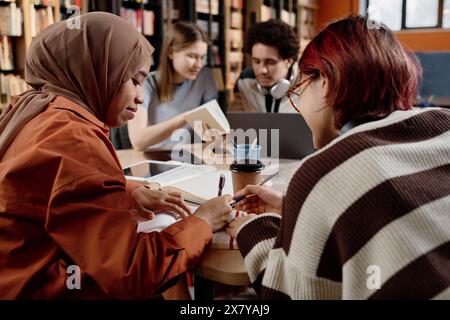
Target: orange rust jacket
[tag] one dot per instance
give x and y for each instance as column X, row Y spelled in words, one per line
column 64, row 201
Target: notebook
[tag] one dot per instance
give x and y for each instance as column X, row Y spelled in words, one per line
column 195, row 182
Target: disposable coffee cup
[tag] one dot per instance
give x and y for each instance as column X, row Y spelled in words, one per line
column 246, row 168
column 245, row 173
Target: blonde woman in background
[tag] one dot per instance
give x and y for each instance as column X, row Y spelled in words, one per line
column 180, row 84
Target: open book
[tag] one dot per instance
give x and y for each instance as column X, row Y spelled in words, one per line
column 210, row 115
column 162, row 220
column 197, row 183
column 197, row 189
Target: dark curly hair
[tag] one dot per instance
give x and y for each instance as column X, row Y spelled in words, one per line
column 274, row 33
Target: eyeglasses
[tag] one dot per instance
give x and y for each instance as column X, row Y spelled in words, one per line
column 296, row 88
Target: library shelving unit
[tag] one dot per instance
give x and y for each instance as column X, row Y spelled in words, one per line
column 150, row 17
column 209, row 15
column 147, row 18
column 300, row 14
column 306, row 22
column 222, row 20
column 10, row 32
column 263, row 10
column 36, row 15
column 234, row 43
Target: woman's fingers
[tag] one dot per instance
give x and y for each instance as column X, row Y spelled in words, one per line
column 248, row 190
column 175, row 194
column 250, row 201
column 145, row 213
column 176, row 209
column 180, row 203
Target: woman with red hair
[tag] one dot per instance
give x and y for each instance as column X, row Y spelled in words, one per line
column 366, row 216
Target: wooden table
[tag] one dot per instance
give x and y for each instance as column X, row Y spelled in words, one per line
column 222, row 266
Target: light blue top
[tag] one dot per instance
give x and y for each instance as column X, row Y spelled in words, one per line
column 186, row 96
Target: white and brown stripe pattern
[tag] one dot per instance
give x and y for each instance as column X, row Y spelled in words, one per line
column 378, row 195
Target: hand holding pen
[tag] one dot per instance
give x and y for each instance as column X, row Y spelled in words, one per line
column 237, row 199
column 255, row 199
column 258, row 199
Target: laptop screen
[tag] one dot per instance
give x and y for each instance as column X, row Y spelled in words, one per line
column 282, row 135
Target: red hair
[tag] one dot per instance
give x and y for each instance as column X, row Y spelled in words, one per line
column 369, row 73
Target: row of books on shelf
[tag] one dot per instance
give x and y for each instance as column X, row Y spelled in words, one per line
column 142, row 20
column 236, row 57
column 10, row 20
column 236, row 37
column 218, row 78
column 204, row 26
column 6, row 54
column 203, row 6
column 10, row 85
column 288, row 17
column 268, row 13
column 40, row 19
column 307, row 23
column 217, row 60
column 236, row 20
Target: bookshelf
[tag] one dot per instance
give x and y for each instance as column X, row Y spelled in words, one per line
column 147, row 17
column 10, row 32
column 21, row 20
column 306, row 22
column 221, row 20
column 37, row 15
column 263, row 10
column 234, row 43
column 300, row 14
column 209, row 16
column 150, row 17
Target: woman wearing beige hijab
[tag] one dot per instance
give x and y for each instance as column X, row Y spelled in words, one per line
column 65, row 206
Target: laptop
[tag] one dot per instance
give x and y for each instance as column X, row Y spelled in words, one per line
column 295, row 137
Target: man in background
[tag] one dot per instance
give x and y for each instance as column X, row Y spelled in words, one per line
column 274, row 48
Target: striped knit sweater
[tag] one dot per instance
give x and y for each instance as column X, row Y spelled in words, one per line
column 366, row 217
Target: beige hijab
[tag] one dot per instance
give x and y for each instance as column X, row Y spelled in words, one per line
column 86, row 65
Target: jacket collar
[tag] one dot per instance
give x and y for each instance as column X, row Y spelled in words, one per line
column 65, row 104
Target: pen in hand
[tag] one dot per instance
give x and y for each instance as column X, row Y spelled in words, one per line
column 239, row 199
column 221, row 184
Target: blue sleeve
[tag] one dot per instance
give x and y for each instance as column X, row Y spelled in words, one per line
column 148, row 90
